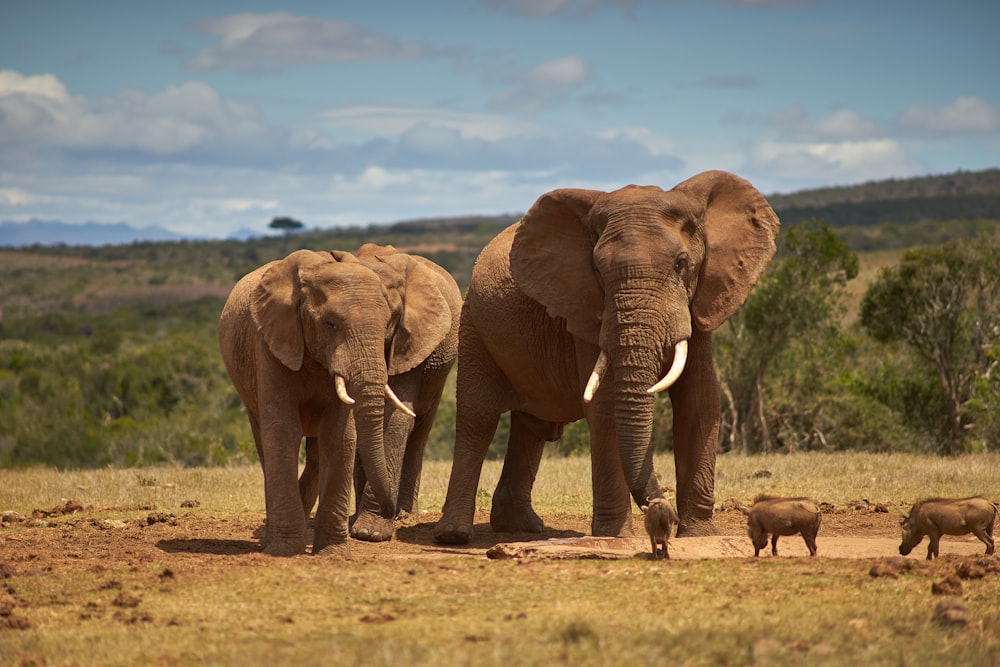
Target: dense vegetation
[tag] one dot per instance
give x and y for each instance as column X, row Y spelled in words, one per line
column 108, row 354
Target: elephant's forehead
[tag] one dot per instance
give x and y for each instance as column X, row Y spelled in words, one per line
column 342, row 275
column 636, row 200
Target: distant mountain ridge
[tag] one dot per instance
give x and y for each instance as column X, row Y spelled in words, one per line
column 959, row 195
column 984, row 182
column 54, row 232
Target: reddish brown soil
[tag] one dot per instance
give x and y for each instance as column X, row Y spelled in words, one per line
column 75, row 538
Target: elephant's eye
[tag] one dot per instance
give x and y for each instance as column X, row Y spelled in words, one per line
column 681, row 265
column 330, row 326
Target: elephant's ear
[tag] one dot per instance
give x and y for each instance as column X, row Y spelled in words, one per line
column 740, row 227
column 552, row 259
column 427, row 316
column 274, row 306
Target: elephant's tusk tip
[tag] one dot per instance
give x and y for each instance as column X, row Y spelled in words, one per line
column 402, row 407
column 342, row 394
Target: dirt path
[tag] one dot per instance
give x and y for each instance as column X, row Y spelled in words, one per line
column 74, row 538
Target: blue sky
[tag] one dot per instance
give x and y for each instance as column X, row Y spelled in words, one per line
column 208, row 117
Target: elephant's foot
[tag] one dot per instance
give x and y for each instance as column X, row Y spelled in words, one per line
column 277, row 547
column 617, row 527
column 515, row 517
column 697, row 528
column 335, row 551
column 372, row 528
column 448, row 531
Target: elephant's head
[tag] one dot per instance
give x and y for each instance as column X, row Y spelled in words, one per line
column 634, row 272
column 361, row 318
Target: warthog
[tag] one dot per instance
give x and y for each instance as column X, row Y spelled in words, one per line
column 660, row 521
column 935, row 517
column 782, row 516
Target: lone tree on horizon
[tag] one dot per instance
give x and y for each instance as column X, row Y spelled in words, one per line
column 285, row 224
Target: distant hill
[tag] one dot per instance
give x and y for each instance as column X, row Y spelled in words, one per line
column 964, row 195
column 985, row 182
column 930, row 208
column 53, row 232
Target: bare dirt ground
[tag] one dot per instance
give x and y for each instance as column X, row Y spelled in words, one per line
column 75, row 538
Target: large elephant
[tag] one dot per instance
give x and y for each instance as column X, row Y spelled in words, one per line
column 585, row 308
column 313, row 343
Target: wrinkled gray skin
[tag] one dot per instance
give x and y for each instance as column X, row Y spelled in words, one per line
column 782, row 517
column 659, row 520
column 629, row 273
column 935, row 517
column 287, row 331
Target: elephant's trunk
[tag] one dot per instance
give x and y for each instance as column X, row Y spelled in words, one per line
column 368, row 391
column 635, row 371
column 639, row 333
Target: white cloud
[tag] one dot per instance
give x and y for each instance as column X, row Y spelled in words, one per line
column 844, row 124
column 543, row 86
column 228, row 206
column 256, row 42
column 37, row 112
column 539, row 9
column 656, row 144
column 394, row 121
column 967, row 114
column 561, row 73
column 833, row 162
column 15, row 197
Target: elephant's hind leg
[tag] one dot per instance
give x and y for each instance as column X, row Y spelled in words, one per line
column 512, row 511
column 473, row 434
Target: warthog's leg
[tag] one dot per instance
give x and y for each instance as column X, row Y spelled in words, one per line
column 985, row 538
column 810, row 539
column 932, row 546
column 774, row 544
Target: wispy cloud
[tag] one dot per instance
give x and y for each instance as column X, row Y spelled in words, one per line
column 543, row 86
column 966, row 115
column 542, row 9
column 728, row 82
column 251, row 42
column 38, row 113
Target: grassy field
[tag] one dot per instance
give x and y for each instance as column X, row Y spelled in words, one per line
column 105, row 586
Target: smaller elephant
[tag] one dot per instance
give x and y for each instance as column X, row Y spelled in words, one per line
column 350, row 351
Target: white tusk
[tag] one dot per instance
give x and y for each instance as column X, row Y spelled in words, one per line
column 595, row 377
column 676, row 368
column 342, row 391
column 391, row 395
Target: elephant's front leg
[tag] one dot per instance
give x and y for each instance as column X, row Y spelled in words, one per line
column 336, row 463
column 612, row 515
column 286, row 526
column 695, row 401
column 612, row 512
column 512, row 511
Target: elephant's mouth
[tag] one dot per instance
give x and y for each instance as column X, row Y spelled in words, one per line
column 601, row 368
column 345, row 398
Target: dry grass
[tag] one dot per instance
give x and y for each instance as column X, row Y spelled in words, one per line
column 444, row 607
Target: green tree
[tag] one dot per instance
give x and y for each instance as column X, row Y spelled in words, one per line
column 798, row 297
column 286, row 224
column 944, row 302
